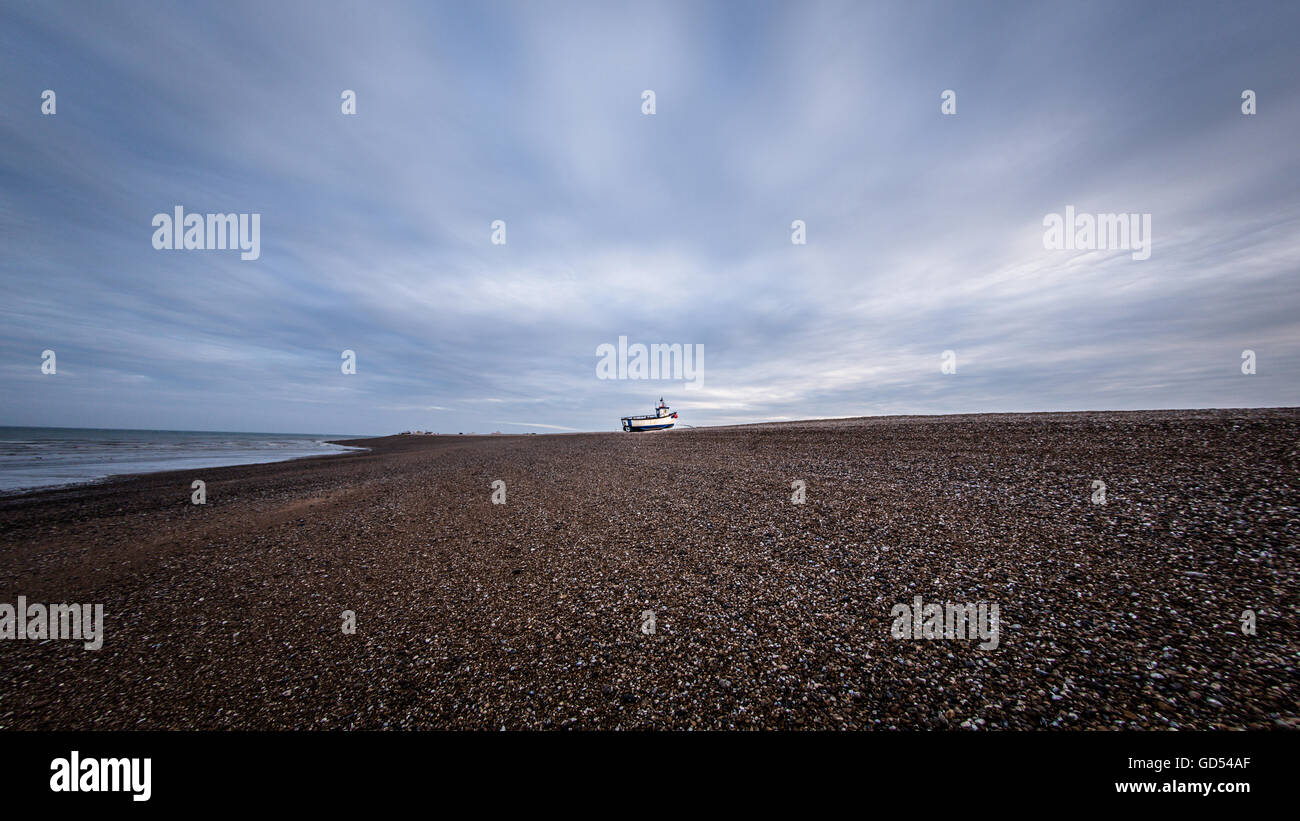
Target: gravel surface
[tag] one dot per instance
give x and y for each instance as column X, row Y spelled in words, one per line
column 768, row 614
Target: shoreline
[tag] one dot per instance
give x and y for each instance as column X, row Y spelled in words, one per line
column 126, row 476
column 110, row 479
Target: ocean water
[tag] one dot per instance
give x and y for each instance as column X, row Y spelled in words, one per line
column 44, row 457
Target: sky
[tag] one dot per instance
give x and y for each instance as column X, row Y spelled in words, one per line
column 924, row 230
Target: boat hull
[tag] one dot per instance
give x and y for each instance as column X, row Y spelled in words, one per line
column 635, row 425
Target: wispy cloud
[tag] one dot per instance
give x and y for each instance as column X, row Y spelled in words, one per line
column 535, row 425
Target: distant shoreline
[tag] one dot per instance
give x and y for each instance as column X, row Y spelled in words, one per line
column 32, row 459
column 807, row 424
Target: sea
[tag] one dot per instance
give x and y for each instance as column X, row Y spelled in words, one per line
column 33, row 458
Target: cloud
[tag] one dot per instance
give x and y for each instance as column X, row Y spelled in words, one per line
column 535, row 425
column 924, row 231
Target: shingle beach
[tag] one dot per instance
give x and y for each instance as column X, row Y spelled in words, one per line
column 766, row 613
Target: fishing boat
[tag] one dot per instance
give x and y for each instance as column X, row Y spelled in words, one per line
column 659, row 420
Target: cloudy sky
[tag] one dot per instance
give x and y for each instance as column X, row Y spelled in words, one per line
column 924, row 231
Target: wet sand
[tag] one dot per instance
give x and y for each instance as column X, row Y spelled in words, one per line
column 768, row 614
